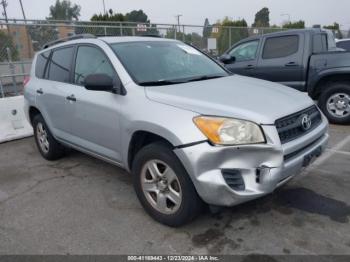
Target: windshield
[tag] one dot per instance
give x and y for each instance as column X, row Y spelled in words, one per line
column 165, row 62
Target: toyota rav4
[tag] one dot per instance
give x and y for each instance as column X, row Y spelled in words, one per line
column 190, row 132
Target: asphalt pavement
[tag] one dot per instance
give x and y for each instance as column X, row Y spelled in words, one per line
column 81, row 205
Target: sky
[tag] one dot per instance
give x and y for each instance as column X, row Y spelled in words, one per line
column 194, row 12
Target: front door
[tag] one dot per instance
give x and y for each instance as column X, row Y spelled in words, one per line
column 95, row 124
column 245, row 58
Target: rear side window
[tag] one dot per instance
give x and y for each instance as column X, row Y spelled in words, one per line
column 278, row 47
column 40, row 65
column 60, row 64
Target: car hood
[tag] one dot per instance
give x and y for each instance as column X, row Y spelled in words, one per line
column 235, row 96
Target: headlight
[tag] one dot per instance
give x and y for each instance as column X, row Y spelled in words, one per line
column 229, row 131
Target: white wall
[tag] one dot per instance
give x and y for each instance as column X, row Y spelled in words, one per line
column 13, row 124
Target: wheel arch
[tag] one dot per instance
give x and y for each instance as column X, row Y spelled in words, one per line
column 140, row 139
column 33, row 111
column 325, row 80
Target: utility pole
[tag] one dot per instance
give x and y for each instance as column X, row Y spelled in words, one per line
column 178, row 20
column 24, row 15
column 104, row 7
column 29, row 41
column 4, row 5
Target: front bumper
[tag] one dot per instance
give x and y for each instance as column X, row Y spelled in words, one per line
column 263, row 167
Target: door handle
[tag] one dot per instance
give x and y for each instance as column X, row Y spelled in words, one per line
column 71, row 98
column 40, row 91
column 291, row 64
column 248, row 67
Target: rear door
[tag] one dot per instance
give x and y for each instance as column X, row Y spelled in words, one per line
column 281, row 60
column 245, row 55
column 54, row 90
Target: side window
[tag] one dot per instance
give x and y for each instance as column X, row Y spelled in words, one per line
column 245, row 51
column 319, row 43
column 60, row 64
column 40, row 65
column 91, row 60
column 278, row 47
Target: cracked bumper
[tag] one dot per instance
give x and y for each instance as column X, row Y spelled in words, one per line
column 272, row 163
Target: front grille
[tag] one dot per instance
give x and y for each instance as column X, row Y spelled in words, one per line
column 297, row 152
column 233, row 179
column 290, row 127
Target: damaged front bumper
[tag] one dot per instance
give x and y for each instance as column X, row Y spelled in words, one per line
column 230, row 175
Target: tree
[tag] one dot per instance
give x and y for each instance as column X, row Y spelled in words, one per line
column 64, row 10
column 123, row 28
column 206, row 32
column 7, row 42
column 336, row 30
column 262, row 18
column 133, row 16
column 230, row 32
column 207, row 29
column 295, row 25
column 40, row 35
column 137, row 16
column 193, row 38
column 110, row 16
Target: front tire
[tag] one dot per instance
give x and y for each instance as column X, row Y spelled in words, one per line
column 163, row 186
column 48, row 146
column 335, row 102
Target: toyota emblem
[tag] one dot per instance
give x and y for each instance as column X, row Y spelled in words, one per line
column 306, row 122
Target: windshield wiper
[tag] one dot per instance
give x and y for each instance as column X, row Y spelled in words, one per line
column 179, row 81
column 204, row 77
column 160, row 83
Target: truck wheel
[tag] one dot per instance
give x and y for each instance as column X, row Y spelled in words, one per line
column 163, row 186
column 48, row 147
column 335, row 102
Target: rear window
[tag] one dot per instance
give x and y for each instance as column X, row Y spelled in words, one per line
column 344, row 44
column 41, row 62
column 60, row 64
column 320, row 43
column 278, row 47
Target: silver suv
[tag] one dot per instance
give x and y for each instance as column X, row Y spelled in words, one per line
column 188, row 131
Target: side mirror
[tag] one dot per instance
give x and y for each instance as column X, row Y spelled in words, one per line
column 227, row 59
column 100, row 82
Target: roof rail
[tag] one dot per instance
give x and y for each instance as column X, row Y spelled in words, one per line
column 62, row 40
column 144, row 35
column 151, row 35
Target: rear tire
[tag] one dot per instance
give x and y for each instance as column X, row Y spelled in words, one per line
column 173, row 201
column 48, row 146
column 335, row 102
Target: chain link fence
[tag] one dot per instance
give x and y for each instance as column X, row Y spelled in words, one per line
column 19, row 40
